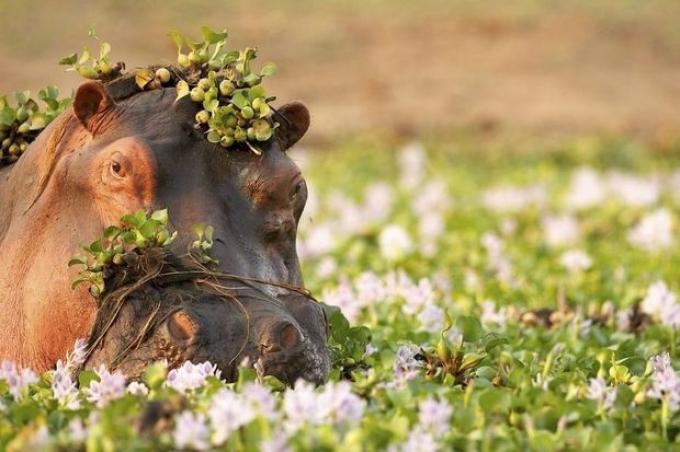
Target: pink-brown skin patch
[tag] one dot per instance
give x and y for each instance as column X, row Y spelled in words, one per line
column 107, row 158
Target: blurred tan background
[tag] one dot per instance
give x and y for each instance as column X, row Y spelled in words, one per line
column 534, row 68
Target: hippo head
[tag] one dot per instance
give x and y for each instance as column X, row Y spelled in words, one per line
column 183, row 311
column 121, row 150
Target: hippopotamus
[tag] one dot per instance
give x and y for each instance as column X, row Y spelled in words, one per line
column 119, row 150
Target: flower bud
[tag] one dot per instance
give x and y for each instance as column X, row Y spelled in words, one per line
column 183, row 60
column 226, row 87
column 197, row 94
column 247, row 112
column 202, row 117
column 163, row 75
column 204, row 84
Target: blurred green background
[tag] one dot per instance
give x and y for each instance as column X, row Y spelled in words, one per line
column 403, row 69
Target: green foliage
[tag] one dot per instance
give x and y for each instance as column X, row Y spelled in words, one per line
column 122, row 246
column 93, row 67
column 235, row 104
column 21, row 123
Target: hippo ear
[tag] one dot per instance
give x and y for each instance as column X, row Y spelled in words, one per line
column 294, row 122
column 90, row 103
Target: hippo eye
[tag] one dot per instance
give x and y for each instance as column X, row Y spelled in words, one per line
column 298, row 191
column 117, row 169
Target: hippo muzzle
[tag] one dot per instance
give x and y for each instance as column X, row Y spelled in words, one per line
column 223, row 321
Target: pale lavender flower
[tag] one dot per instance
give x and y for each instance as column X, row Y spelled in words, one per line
column 412, row 165
column 658, row 297
column 433, row 197
column 435, row 416
column 394, row 242
column 64, row 387
column 370, row 350
column 508, row 227
column 342, row 406
column 301, row 405
column 601, row 393
column 575, row 260
column 378, row 200
column 17, row 379
column 138, row 389
column 431, row 318
column 228, row 411
column 191, row 376
column 634, row 190
column 430, row 228
column 110, row 386
column 77, row 431
column 419, row 441
column 261, row 400
column 344, row 297
column 326, row 267
column 491, row 315
column 39, row 439
column 77, row 356
column 191, row 431
column 278, row 442
column 319, row 240
column 654, row 232
column 370, row 289
column 560, row 230
column 665, row 381
column 497, row 262
column 508, row 198
column 405, row 366
column 623, row 318
column 586, row 189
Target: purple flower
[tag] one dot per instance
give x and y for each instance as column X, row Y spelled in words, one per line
column 17, row 379
column 191, row 431
column 405, row 367
column 599, row 392
column 300, row 405
column 419, row 441
column 110, row 386
column 64, row 387
column 227, row 412
column 77, row 356
column 260, row 399
column 665, row 381
column 138, row 389
column 191, row 376
column 435, row 416
column 342, row 406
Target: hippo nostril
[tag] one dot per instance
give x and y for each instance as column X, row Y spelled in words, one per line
column 283, row 336
column 181, row 327
column 289, row 337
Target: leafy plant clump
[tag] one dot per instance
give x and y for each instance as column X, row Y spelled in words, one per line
column 235, row 106
column 21, row 123
column 91, row 67
column 122, row 245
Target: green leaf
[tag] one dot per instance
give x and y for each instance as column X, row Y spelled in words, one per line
column 69, row 60
column 470, row 327
column 161, row 216
column 213, row 37
column 178, row 39
column 268, row 70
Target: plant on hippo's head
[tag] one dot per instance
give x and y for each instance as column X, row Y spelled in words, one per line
column 93, row 68
column 235, row 106
column 21, row 124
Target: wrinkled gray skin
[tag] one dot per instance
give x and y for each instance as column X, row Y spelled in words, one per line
column 190, row 320
column 118, row 151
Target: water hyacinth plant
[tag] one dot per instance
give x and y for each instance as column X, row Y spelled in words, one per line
column 528, row 324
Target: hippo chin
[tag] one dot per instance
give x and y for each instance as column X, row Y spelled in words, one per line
column 117, row 151
column 189, row 313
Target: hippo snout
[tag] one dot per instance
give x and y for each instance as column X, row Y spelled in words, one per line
column 183, row 323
